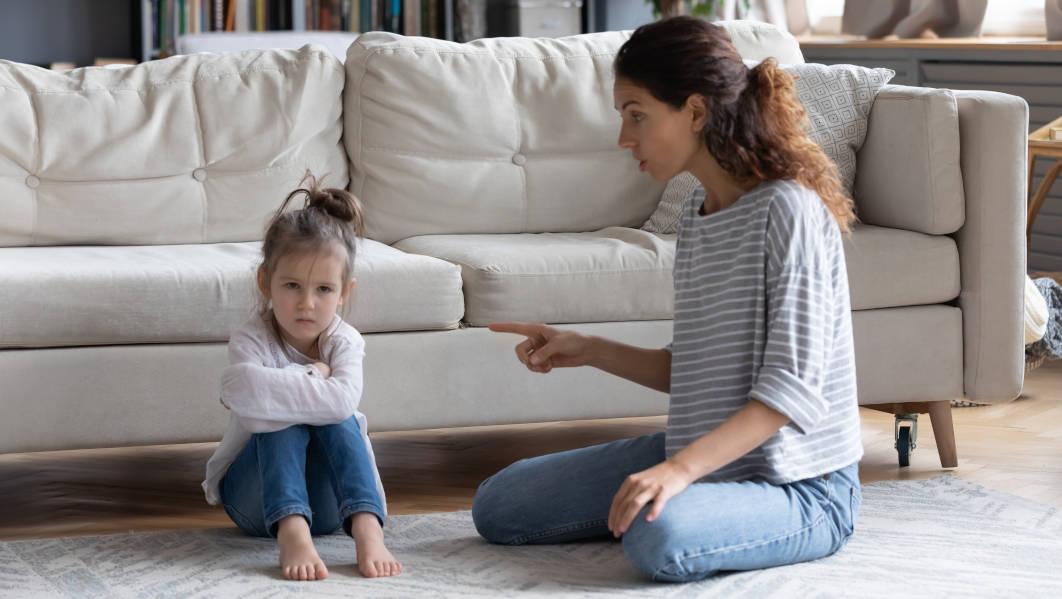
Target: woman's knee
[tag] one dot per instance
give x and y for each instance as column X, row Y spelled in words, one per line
column 657, row 549
column 495, row 509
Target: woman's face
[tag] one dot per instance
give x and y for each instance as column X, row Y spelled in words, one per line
column 662, row 139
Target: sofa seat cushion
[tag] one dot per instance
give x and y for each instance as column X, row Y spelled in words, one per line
column 614, row 274
column 891, row 268
column 98, row 295
column 618, row 274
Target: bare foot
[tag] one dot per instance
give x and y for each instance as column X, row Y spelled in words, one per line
column 298, row 557
column 373, row 557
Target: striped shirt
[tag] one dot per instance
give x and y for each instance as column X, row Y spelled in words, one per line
column 762, row 312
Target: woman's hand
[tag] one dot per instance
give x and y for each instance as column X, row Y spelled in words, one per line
column 547, row 348
column 657, row 485
column 324, row 369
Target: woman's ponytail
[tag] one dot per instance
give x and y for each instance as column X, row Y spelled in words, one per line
column 756, row 128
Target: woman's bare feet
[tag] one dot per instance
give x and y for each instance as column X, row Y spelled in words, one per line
column 298, row 556
column 373, row 557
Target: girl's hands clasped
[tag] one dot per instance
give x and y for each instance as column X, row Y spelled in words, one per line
column 547, row 348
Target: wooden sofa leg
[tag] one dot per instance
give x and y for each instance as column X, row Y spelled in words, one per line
column 943, row 432
column 939, row 416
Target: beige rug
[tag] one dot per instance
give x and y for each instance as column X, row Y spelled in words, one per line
column 934, row 538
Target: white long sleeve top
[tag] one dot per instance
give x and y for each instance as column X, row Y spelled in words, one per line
column 269, row 386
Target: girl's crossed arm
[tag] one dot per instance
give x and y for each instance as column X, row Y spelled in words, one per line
column 296, row 394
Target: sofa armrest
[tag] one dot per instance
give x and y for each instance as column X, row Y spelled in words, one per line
column 908, row 174
column 994, row 130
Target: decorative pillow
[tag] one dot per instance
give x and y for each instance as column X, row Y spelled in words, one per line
column 837, row 99
column 666, row 216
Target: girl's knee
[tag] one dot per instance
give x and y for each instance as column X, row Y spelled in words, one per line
column 294, row 431
column 324, row 523
column 249, row 526
column 348, row 428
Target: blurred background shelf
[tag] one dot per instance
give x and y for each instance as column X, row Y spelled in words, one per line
column 79, row 32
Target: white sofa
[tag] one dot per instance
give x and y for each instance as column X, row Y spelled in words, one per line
column 335, row 42
column 132, row 202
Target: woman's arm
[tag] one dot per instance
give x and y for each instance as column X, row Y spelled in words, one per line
column 743, row 431
column 648, row 367
column 546, row 348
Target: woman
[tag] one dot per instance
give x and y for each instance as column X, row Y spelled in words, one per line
column 758, row 466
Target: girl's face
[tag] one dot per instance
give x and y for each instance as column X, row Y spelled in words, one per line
column 662, row 139
column 306, row 290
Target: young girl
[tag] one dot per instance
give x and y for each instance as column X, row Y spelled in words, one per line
column 758, row 464
column 295, row 460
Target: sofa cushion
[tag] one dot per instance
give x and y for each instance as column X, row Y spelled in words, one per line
column 66, row 296
column 913, row 131
column 890, row 268
column 335, row 42
column 189, row 149
column 613, row 274
column 625, row 274
column 530, row 147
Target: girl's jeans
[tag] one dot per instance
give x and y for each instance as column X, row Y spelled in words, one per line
column 323, row 473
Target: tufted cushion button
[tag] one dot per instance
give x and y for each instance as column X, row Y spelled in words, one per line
column 33, row 182
column 199, row 174
column 519, row 159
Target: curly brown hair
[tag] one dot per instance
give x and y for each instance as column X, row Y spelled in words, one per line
column 756, row 128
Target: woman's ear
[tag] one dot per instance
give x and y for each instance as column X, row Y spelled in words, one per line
column 698, row 109
column 263, row 284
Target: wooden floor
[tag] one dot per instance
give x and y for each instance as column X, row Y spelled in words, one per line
column 1016, row 447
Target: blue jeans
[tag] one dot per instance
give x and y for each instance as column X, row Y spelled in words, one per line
column 708, row 528
column 323, row 473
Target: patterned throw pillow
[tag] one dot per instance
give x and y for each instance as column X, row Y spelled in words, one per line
column 837, row 99
column 666, row 216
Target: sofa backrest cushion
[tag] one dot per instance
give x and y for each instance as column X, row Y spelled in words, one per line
column 908, row 174
column 504, row 135
column 335, row 42
column 189, row 149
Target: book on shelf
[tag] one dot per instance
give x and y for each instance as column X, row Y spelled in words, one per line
column 163, row 21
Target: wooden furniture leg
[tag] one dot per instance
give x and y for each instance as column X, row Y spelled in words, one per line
column 943, row 432
column 939, row 416
column 1032, row 172
column 1041, row 195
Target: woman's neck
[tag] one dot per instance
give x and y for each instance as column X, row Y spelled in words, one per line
column 722, row 188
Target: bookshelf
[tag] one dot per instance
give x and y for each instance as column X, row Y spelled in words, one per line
column 162, row 21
